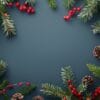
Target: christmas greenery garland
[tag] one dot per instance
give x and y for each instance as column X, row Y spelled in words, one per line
column 72, row 92
column 5, row 19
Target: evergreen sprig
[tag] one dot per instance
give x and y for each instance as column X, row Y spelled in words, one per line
column 3, row 65
column 31, row 2
column 96, row 27
column 68, row 3
column 25, row 90
column 52, row 4
column 3, row 84
column 50, row 89
column 88, row 10
column 66, row 74
column 8, row 26
column 94, row 69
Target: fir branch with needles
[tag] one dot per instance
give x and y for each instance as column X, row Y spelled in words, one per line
column 31, row 2
column 94, row 69
column 68, row 3
column 88, row 10
column 66, row 74
column 96, row 27
column 50, row 89
column 8, row 26
column 52, row 4
column 25, row 90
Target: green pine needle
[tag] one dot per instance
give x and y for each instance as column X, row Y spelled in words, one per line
column 66, row 74
column 52, row 4
column 96, row 27
column 88, row 10
column 4, row 84
column 31, row 2
column 50, row 89
column 68, row 3
column 25, row 90
column 94, row 69
column 8, row 26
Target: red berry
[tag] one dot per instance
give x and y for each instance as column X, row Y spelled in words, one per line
column 79, row 95
column 17, row 4
column 67, row 18
column 33, row 11
column 21, row 8
column 10, row 86
column 69, row 81
column 26, row 4
column 10, row 4
column 4, row 91
column 79, row 9
column 20, row 83
column 24, row 8
column 28, row 83
column 30, row 7
column 28, row 11
column 70, row 13
column 75, row 9
column 71, row 87
column 95, row 94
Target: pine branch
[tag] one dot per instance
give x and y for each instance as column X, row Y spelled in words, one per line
column 6, row 97
column 89, row 10
column 50, row 89
column 25, row 90
column 31, row 2
column 94, row 69
column 8, row 26
column 3, row 65
column 66, row 74
column 96, row 27
column 4, row 84
column 68, row 3
column 52, row 4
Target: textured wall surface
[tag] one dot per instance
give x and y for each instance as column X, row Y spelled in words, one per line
column 45, row 43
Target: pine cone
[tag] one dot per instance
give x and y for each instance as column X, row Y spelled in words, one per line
column 87, row 80
column 96, row 52
column 64, row 98
column 38, row 98
column 88, row 98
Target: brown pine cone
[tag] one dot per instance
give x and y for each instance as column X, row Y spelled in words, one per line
column 88, row 98
column 87, row 80
column 96, row 52
column 17, row 96
column 38, row 98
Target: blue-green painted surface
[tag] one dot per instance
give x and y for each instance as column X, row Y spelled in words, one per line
column 45, row 43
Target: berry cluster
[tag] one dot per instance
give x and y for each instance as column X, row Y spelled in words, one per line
column 72, row 12
column 96, row 93
column 74, row 90
column 22, row 7
column 11, row 86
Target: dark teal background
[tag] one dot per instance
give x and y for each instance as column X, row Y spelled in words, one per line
column 45, row 43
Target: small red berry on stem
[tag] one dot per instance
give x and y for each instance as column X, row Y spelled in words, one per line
column 78, row 9
column 67, row 18
column 10, row 4
column 21, row 8
column 17, row 4
column 74, row 9
column 28, row 83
